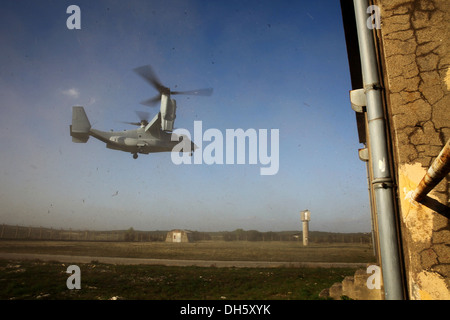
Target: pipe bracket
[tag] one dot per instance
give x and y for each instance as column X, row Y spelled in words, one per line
column 372, row 86
column 358, row 100
column 363, row 154
column 382, row 183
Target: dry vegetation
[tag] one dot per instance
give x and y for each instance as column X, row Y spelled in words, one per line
column 35, row 279
column 201, row 250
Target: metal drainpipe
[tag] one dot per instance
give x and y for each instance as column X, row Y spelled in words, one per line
column 382, row 179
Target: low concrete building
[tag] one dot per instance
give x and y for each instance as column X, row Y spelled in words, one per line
column 179, row 236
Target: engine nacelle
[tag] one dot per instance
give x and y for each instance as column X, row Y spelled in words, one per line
column 168, row 113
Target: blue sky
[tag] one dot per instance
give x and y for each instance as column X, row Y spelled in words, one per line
column 273, row 65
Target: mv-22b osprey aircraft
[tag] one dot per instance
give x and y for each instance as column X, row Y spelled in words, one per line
column 150, row 137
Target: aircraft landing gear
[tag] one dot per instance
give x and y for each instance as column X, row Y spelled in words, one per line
column 135, row 155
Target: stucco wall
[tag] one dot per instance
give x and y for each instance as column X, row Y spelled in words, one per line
column 414, row 41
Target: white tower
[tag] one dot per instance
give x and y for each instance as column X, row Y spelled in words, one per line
column 306, row 217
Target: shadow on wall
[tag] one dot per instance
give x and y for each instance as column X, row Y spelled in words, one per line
column 436, row 206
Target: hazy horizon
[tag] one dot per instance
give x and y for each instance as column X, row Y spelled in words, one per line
column 168, row 230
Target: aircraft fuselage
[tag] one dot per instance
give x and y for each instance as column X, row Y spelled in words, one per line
column 135, row 141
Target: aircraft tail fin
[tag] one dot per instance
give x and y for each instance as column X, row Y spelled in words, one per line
column 80, row 128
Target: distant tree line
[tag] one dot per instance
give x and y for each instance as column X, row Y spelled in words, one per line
column 254, row 235
column 131, row 235
column 313, row 236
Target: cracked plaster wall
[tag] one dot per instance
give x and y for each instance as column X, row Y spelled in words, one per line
column 415, row 41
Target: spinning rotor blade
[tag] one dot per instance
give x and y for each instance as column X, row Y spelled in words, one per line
column 149, row 75
column 142, row 115
column 152, row 102
column 132, row 123
column 199, row 92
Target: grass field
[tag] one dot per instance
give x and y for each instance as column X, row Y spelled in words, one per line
column 34, row 279
column 47, row 280
column 202, row 250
